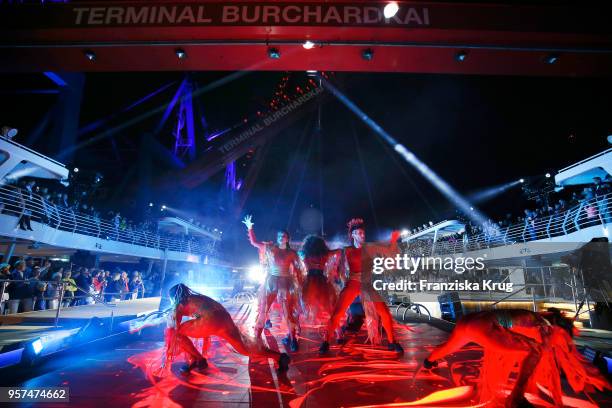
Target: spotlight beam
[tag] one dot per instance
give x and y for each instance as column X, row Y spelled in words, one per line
column 408, row 156
column 488, row 193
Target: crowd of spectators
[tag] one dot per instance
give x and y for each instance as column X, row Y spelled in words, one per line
column 27, row 202
column 591, row 206
column 40, row 285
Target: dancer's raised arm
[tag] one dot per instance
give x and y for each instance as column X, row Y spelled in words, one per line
column 248, row 221
column 390, row 248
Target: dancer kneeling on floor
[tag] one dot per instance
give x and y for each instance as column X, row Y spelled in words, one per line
column 540, row 343
column 209, row 318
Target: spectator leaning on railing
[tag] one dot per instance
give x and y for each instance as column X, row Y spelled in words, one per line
column 115, row 288
column 69, row 288
column 20, row 293
column 5, row 275
column 601, row 190
column 136, row 286
column 38, row 288
column 83, row 283
column 54, row 290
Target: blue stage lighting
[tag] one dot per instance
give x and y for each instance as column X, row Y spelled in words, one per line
column 461, row 56
column 90, row 55
column 273, row 53
column 37, row 346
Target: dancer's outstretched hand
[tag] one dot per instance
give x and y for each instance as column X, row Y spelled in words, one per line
column 247, row 221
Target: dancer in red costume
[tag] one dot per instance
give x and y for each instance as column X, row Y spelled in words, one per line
column 318, row 293
column 283, row 282
column 209, row 319
column 541, row 343
column 360, row 284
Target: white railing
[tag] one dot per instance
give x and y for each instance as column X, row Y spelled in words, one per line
column 596, row 211
column 19, row 202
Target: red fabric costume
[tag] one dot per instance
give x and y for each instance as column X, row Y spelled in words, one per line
column 360, row 284
column 318, row 293
column 540, row 346
column 282, row 284
column 209, row 318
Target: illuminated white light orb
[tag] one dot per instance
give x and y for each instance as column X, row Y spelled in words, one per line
column 391, row 9
column 308, row 45
column 257, row 274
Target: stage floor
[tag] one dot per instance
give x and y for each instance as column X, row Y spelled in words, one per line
column 352, row 375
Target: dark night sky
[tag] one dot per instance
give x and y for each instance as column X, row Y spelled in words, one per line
column 474, row 131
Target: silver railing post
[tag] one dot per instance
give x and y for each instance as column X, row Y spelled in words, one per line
column 577, row 216
column 2, row 296
column 59, row 306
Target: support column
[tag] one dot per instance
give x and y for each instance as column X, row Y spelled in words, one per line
column 9, row 250
column 163, row 273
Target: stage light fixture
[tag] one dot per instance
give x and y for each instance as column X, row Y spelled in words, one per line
column 391, row 9
column 461, row 56
column 90, row 55
column 521, row 180
column 547, row 175
column 76, row 170
column 367, row 54
column 308, row 45
column 8, row 132
column 551, row 59
column 610, row 139
column 163, row 207
column 404, row 232
column 180, row 53
column 273, row 53
column 37, row 346
column 150, row 204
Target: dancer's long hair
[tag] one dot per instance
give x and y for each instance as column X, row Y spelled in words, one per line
column 557, row 318
column 314, row 246
column 180, row 292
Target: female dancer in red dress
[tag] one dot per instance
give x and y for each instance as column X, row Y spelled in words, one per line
column 209, row 319
column 318, row 293
column 283, row 282
column 541, row 344
column 360, row 284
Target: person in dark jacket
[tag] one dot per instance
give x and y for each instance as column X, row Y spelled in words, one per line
column 19, row 292
column 83, row 282
column 38, row 288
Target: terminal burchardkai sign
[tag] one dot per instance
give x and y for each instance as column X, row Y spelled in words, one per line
column 135, row 14
column 249, row 14
column 138, row 14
